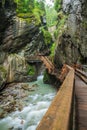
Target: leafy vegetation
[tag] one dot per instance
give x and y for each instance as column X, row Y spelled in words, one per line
column 60, row 25
column 47, row 36
column 57, row 5
column 51, row 16
column 31, row 10
column 34, row 10
column 24, row 6
column 61, row 18
column 55, row 17
column 3, row 71
column 46, row 78
column 52, row 49
column 31, row 70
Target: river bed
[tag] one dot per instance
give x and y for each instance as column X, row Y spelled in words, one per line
column 36, row 105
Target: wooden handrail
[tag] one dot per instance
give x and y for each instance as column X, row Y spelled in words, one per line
column 82, row 75
column 81, row 72
column 58, row 115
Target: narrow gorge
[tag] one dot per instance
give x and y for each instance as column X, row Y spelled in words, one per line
column 29, row 29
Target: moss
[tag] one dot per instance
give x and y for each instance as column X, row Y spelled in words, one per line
column 31, row 70
column 46, row 78
column 58, row 5
column 60, row 26
column 51, row 18
column 49, row 79
column 38, row 13
column 3, row 71
column 25, row 15
column 47, row 36
column 52, row 49
column 84, row 24
column 30, row 10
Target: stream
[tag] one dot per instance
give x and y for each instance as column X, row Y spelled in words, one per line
column 36, row 106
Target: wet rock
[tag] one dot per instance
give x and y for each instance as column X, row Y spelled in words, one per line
column 14, row 93
column 29, row 88
column 35, row 85
column 18, row 128
column 25, row 86
column 71, row 44
column 16, row 99
column 2, row 113
column 10, row 106
column 3, row 75
column 11, row 128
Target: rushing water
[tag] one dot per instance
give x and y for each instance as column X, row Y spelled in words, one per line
column 37, row 104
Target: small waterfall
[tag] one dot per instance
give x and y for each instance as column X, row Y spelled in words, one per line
column 40, row 77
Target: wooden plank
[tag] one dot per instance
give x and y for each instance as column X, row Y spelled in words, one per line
column 81, row 104
column 58, row 115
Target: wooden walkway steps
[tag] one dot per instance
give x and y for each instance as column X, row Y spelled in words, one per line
column 58, row 115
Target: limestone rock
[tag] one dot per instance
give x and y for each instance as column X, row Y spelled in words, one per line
column 72, row 43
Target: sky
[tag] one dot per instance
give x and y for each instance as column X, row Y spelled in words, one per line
column 49, row 2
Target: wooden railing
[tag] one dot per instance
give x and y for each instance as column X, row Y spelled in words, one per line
column 58, row 116
column 82, row 75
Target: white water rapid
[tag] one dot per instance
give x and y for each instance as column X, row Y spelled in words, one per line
column 37, row 102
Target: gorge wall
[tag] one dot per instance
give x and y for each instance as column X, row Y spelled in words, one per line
column 23, row 35
column 20, row 38
column 72, row 43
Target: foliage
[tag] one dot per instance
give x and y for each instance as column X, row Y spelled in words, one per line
column 24, row 6
column 26, row 15
column 40, row 5
column 57, row 5
column 51, row 16
column 31, row 10
column 60, row 25
column 46, row 78
column 84, row 23
column 52, row 49
column 47, row 36
column 61, row 18
column 3, row 71
column 31, row 70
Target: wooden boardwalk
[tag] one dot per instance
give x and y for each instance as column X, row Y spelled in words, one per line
column 59, row 113
column 58, row 116
column 81, row 104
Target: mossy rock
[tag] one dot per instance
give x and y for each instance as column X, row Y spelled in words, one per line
column 47, row 36
column 3, row 71
column 31, row 70
column 3, row 75
column 84, row 23
column 48, row 79
column 60, row 27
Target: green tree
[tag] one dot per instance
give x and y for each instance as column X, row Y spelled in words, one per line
column 57, row 5
column 51, row 18
column 23, row 6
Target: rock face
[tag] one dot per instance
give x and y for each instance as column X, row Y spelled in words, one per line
column 72, row 44
column 18, row 40
column 5, row 20
column 17, row 69
column 18, row 35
